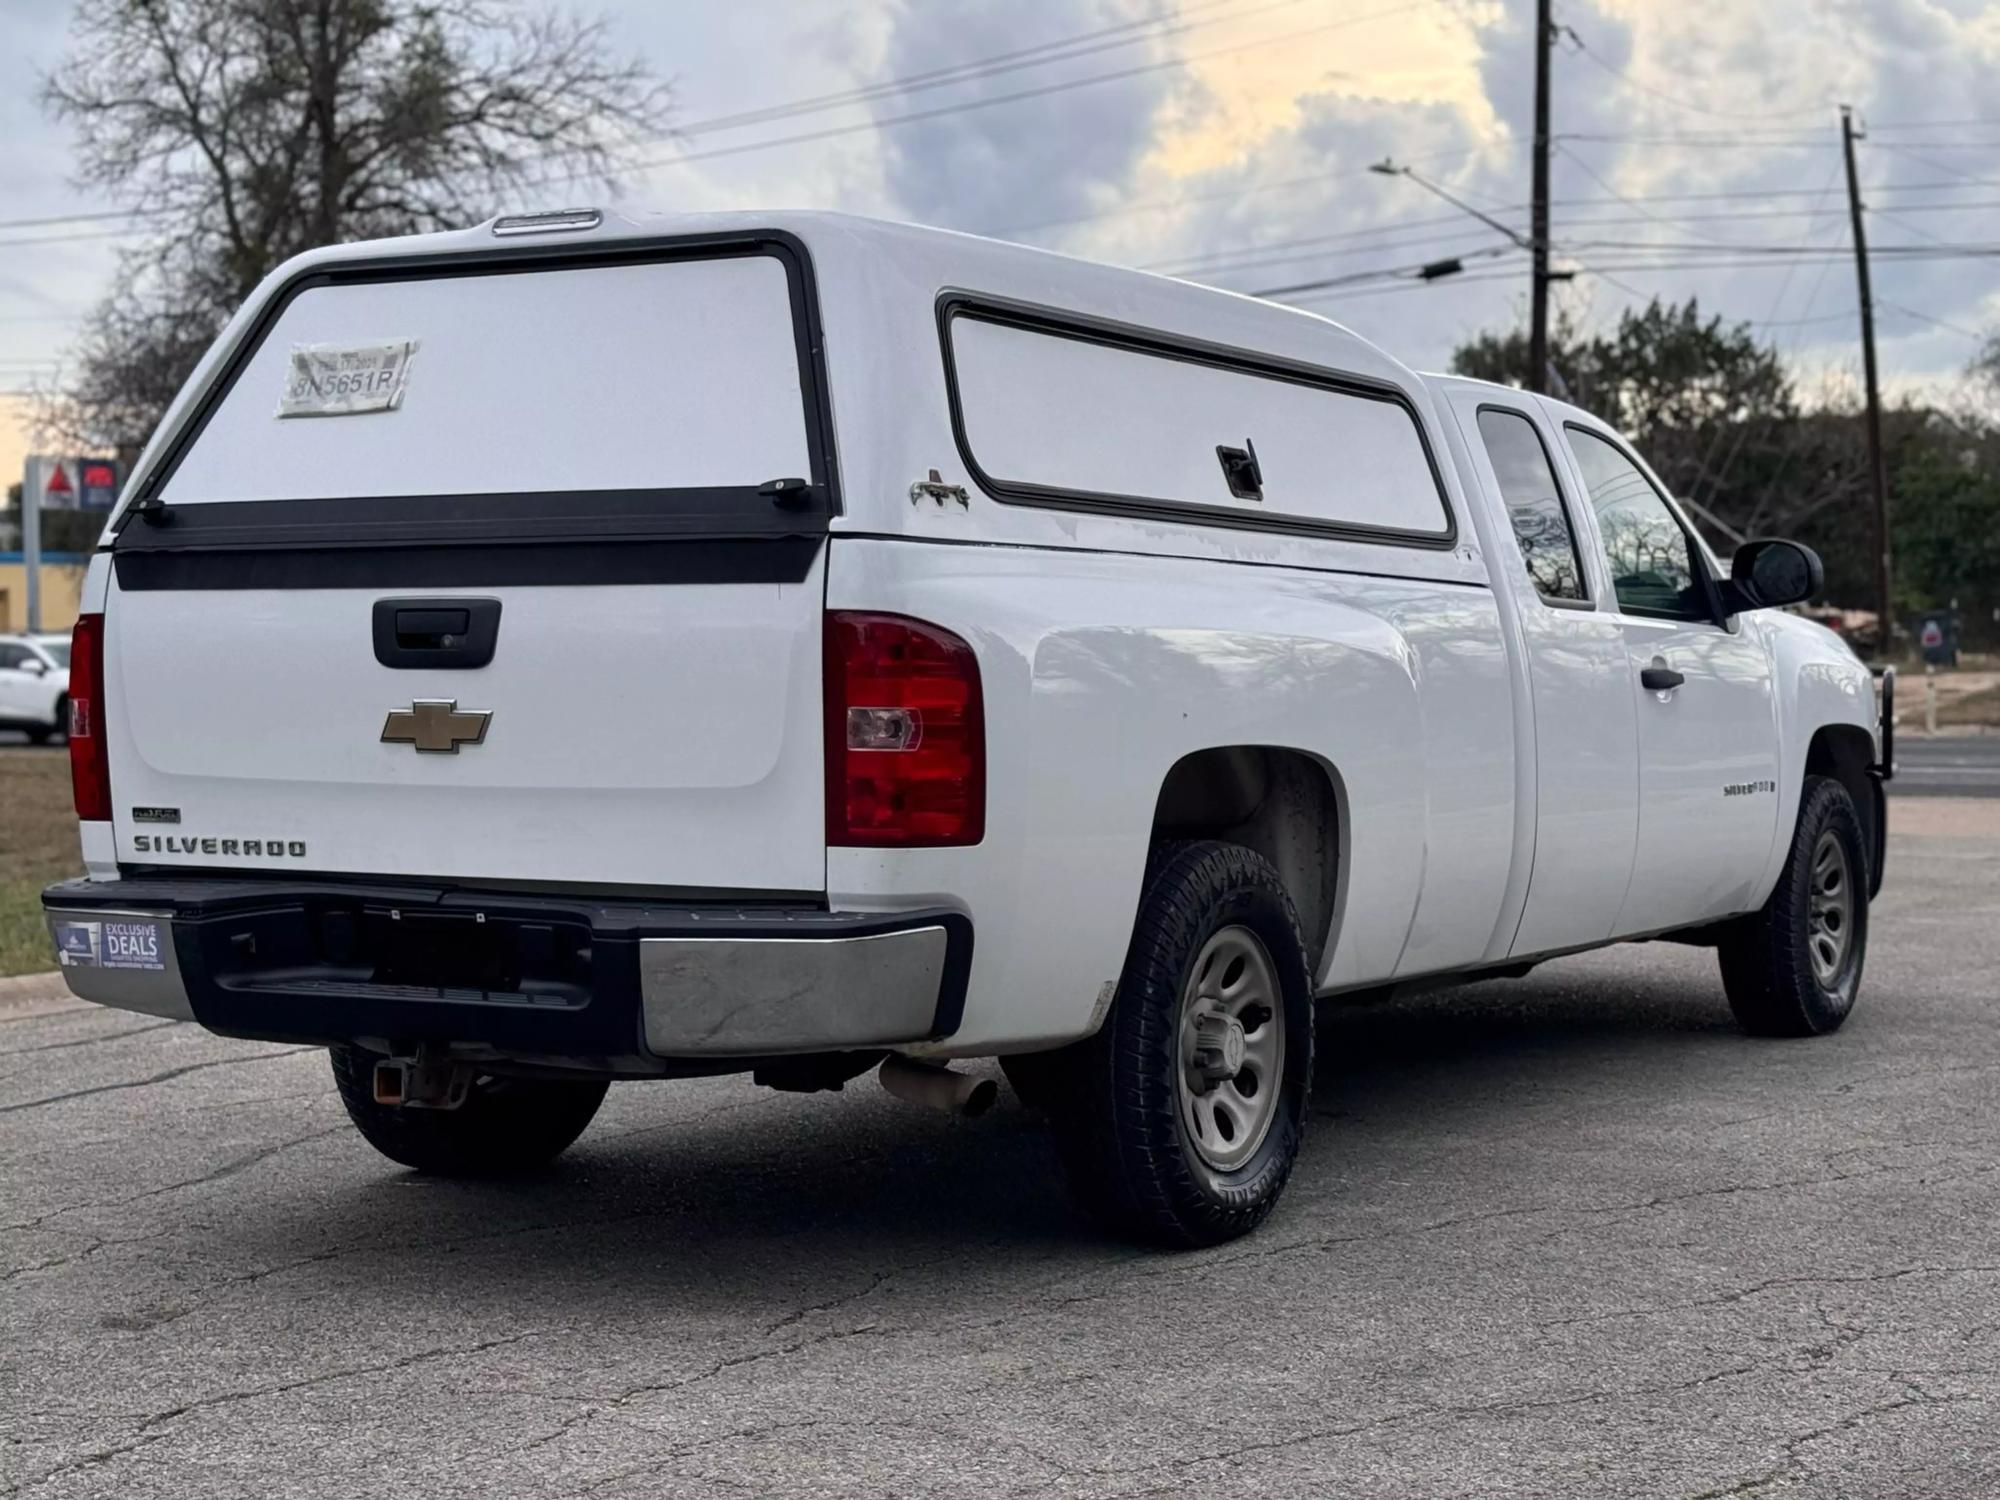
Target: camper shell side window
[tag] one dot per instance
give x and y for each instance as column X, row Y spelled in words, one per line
column 1058, row 410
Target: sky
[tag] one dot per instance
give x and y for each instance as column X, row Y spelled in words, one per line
column 1697, row 153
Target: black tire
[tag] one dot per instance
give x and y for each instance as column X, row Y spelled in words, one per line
column 1118, row 1114
column 506, row 1125
column 1038, row 1078
column 39, row 735
column 1769, row 972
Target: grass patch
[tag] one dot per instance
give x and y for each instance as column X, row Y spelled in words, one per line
column 1982, row 707
column 37, row 845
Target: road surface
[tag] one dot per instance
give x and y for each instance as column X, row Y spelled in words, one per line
column 1947, row 766
column 1569, row 1234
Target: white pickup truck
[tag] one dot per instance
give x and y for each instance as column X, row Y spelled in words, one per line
column 582, row 648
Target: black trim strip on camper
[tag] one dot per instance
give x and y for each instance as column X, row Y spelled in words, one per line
column 542, row 516
column 1084, row 329
column 683, row 559
column 528, row 516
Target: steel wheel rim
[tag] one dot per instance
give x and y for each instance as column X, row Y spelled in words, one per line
column 1232, row 1049
column 1830, row 909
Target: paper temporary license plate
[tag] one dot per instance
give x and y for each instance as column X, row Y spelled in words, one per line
column 109, row 945
column 342, row 380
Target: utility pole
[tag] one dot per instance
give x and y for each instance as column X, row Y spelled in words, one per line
column 1878, row 476
column 1538, row 217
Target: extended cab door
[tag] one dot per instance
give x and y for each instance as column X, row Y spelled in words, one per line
column 1708, row 738
column 1586, row 738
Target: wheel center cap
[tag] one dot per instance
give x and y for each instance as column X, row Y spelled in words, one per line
column 1233, row 1046
column 1220, row 1048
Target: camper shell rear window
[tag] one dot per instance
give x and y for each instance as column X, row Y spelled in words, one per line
column 639, row 390
column 1053, row 409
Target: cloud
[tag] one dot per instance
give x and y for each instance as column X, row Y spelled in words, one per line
column 1058, row 154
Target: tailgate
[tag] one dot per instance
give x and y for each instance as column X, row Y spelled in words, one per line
column 478, row 569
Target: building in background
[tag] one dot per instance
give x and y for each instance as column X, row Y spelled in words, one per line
column 71, row 496
column 62, row 589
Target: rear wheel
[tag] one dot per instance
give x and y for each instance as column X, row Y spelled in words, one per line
column 505, row 1125
column 1180, row 1119
column 1793, row 969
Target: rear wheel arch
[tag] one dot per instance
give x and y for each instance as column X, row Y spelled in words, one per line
column 1286, row 804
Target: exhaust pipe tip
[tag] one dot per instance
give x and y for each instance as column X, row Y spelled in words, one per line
column 938, row 1088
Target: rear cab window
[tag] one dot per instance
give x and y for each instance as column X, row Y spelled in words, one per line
column 1535, row 505
column 1077, row 415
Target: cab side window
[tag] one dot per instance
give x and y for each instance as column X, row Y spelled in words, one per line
column 1650, row 557
column 1534, row 504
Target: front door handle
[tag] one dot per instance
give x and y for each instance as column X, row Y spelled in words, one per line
column 1659, row 679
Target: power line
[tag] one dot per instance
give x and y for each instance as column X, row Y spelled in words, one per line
column 1064, row 50
column 1227, row 195
column 1124, row 34
column 1592, row 173
column 1911, row 312
column 1019, row 95
column 1931, row 124
column 1582, row 50
column 1410, row 272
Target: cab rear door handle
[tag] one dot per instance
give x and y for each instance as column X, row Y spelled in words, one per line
column 1659, row 679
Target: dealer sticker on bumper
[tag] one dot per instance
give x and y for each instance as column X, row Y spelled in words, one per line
column 109, row 945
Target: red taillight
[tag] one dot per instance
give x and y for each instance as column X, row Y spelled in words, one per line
column 89, row 758
column 905, row 735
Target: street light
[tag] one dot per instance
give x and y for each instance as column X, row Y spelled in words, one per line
column 1388, row 167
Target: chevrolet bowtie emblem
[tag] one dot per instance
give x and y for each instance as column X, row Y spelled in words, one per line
column 436, row 726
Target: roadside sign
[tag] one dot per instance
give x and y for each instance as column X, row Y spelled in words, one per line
column 98, row 483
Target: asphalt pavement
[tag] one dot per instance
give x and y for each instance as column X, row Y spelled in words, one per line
column 1956, row 765
column 1563, row 1235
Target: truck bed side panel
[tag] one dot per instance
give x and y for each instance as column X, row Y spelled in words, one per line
column 1102, row 670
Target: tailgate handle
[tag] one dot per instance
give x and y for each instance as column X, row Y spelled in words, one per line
column 444, row 634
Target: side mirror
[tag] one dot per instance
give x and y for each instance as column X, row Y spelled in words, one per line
column 1768, row 572
column 34, row 666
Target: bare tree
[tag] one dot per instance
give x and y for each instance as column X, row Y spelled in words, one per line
column 241, row 132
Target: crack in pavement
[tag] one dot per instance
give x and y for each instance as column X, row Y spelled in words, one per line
column 140, row 1083
column 1742, row 1293
column 1793, row 1467
column 145, row 1435
column 1425, row 1413
column 92, row 1041
column 217, row 1174
column 596, row 1406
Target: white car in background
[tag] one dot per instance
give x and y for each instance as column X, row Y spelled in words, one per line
column 34, row 684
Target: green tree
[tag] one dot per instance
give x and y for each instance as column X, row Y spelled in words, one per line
column 1711, row 406
column 1713, row 410
column 240, row 132
column 1947, row 523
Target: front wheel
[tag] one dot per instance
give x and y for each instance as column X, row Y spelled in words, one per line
column 505, row 1126
column 1182, row 1116
column 1794, row 968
